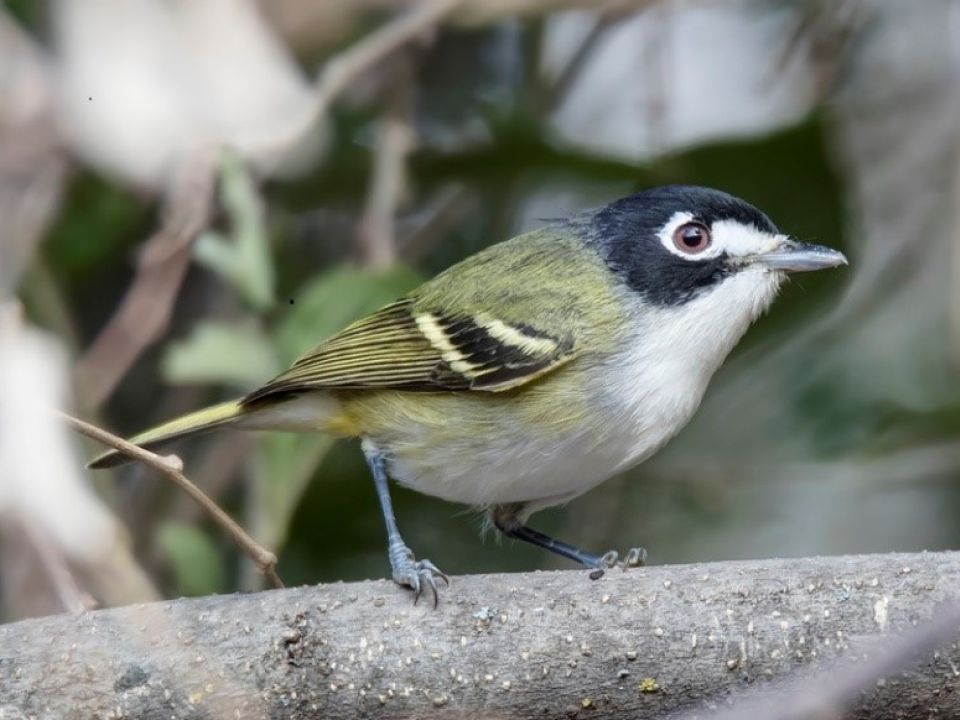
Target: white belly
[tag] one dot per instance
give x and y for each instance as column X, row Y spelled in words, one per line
column 513, row 470
column 513, row 465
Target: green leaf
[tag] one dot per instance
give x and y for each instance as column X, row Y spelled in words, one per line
column 198, row 566
column 96, row 228
column 284, row 464
column 242, row 259
column 219, row 353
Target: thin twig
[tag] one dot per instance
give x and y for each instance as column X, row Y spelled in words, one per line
column 172, row 467
column 219, row 467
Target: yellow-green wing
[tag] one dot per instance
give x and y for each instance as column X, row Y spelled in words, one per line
column 402, row 348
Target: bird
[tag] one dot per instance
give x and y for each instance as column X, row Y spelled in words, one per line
column 537, row 368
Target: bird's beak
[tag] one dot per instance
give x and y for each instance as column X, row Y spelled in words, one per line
column 793, row 256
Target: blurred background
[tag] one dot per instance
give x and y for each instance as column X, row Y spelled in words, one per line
column 194, row 192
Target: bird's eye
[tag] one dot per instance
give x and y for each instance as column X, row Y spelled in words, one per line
column 691, row 238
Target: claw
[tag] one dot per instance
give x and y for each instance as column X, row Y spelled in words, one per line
column 434, row 571
column 433, row 588
column 636, row 557
column 609, row 558
column 418, row 574
column 604, row 562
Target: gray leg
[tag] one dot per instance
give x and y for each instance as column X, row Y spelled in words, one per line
column 507, row 520
column 407, row 570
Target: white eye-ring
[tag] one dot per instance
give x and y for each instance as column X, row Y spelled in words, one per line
column 687, row 237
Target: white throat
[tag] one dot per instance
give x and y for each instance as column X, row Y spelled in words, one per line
column 658, row 381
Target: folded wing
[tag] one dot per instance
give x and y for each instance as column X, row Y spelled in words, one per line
column 406, row 348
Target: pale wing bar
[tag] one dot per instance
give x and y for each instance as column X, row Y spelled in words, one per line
column 402, row 349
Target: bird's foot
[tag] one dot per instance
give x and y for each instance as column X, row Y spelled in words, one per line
column 416, row 574
column 635, row 557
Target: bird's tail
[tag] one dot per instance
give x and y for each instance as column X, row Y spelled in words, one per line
column 225, row 413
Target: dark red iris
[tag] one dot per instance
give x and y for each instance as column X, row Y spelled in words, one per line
column 691, row 238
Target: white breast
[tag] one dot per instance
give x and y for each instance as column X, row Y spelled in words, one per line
column 643, row 396
column 664, row 372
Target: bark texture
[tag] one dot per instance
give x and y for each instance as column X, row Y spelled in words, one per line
column 638, row 644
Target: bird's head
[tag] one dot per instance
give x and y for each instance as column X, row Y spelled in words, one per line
column 697, row 266
column 681, row 244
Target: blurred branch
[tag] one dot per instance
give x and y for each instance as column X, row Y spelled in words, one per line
column 323, row 20
column 145, row 310
column 954, row 310
column 36, row 578
column 172, row 467
column 395, row 140
column 452, row 205
column 656, row 59
column 32, row 164
column 490, row 11
column 606, row 21
column 54, row 528
column 71, row 597
column 30, row 187
column 823, row 31
column 639, row 644
column 346, row 67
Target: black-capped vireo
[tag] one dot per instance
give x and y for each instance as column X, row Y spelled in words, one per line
column 537, row 368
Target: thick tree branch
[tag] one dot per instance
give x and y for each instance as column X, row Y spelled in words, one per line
column 639, row 644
